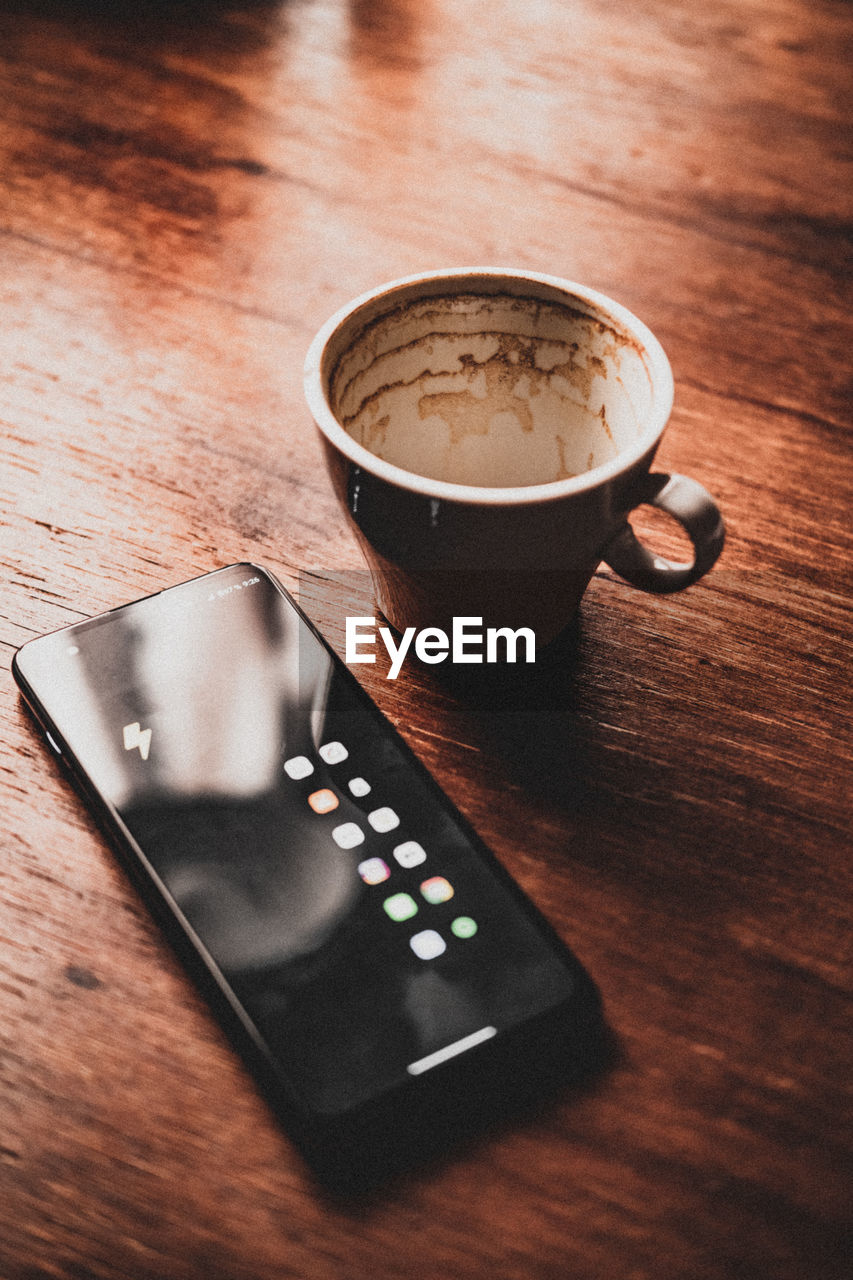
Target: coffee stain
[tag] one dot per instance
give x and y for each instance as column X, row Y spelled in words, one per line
column 564, row 472
column 602, row 413
column 578, row 375
column 514, row 360
column 520, row 368
column 433, row 312
column 469, row 413
column 373, row 433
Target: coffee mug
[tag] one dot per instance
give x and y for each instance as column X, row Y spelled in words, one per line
column 488, row 433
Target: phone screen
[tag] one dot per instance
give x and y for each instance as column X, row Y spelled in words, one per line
column 356, row 918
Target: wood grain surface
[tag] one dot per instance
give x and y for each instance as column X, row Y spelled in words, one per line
column 187, row 191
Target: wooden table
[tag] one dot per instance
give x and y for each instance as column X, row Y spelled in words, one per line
column 188, row 191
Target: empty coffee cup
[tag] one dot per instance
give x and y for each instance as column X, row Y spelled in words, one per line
column 488, row 433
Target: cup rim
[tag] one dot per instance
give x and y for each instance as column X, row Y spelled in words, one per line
column 372, row 301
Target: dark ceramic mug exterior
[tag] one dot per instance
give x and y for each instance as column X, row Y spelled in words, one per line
column 549, row 394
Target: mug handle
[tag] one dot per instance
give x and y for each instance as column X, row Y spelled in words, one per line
column 697, row 513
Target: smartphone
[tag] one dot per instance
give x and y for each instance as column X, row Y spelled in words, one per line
column 385, row 978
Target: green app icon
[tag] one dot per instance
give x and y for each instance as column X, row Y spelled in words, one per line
column 464, row 927
column 400, row 906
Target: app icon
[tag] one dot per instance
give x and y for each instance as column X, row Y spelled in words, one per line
column 464, row 927
column 298, row 767
column 374, row 871
column 333, row 752
column 348, row 835
column 358, row 786
column 437, row 889
column 400, row 906
column 410, row 853
column 428, row 944
column 323, row 801
column 383, row 819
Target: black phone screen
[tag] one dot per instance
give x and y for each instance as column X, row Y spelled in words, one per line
column 360, row 923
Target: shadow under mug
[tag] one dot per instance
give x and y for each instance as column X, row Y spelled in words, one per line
column 488, row 433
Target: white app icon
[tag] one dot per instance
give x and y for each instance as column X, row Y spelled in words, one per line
column 410, row 853
column 358, row 786
column 427, row 944
column 348, row 835
column 333, row 752
column 136, row 737
column 298, row 767
column 383, row 819
column 374, row 870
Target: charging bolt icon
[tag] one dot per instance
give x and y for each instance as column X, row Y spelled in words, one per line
column 136, row 737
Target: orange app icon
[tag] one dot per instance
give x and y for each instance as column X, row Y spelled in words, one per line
column 323, row 801
column 437, row 889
